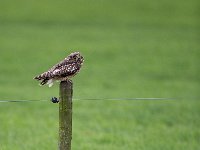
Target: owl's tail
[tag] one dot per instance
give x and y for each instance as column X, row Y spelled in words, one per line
column 44, row 80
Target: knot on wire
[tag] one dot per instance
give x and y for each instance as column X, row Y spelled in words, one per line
column 54, row 99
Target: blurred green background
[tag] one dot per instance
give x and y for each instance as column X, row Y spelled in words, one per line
column 132, row 49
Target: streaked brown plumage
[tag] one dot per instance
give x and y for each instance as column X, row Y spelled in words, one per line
column 64, row 70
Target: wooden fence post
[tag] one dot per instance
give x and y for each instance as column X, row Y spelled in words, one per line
column 65, row 115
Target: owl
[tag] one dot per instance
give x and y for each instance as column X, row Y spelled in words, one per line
column 62, row 71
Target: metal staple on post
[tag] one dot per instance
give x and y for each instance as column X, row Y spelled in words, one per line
column 65, row 115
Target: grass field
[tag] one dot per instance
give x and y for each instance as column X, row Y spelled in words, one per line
column 131, row 49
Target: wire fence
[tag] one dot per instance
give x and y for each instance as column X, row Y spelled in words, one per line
column 56, row 100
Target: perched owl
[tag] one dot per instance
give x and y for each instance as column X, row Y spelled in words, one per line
column 64, row 70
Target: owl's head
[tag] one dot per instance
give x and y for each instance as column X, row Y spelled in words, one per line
column 76, row 57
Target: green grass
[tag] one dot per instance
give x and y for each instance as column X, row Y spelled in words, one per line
column 131, row 49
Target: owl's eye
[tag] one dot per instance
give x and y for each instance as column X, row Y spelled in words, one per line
column 75, row 58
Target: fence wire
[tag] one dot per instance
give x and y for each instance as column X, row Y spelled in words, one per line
column 90, row 99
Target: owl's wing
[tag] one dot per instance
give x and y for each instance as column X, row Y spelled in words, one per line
column 64, row 70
